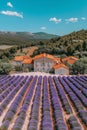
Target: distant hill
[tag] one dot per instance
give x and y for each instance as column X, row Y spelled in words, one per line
column 42, row 35
column 14, row 37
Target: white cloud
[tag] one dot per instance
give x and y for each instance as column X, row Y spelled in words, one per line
column 73, row 20
column 83, row 18
column 55, row 20
column 43, row 28
column 11, row 13
column 9, row 4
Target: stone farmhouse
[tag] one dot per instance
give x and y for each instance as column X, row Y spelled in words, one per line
column 45, row 63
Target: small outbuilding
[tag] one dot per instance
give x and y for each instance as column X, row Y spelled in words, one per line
column 61, row 69
column 18, row 60
column 27, row 64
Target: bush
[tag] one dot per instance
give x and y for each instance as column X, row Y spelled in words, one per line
column 5, row 125
column 5, row 68
column 18, row 68
column 79, row 67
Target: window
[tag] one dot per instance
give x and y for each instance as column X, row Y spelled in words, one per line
column 43, row 64
column 37, row 64
column 49, row 64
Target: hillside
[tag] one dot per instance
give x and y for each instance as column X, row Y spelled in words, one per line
column 78, row 35
column 23, row 37
column 72, row 38
column 71, row 44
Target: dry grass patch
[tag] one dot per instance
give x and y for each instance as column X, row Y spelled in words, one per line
column 4, row 47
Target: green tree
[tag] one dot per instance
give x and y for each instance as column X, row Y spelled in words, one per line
column 5, row 68
column 79, row 67
column 19, row 68
column 84, row 45
column 70, row 50
column 13, row 50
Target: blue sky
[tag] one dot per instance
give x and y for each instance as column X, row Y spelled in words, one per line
column 51, row 16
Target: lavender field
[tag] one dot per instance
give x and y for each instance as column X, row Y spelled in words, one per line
column 43, row 102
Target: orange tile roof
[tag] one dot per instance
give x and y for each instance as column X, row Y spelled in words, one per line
column 59, row 66
column 45, row 56
column 70, row 59
column 27, row 61
column 20, row 58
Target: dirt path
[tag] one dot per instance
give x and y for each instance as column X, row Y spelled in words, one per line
column 5, row 111
column 65, row 115
column 73, row 110
column 40, row 109
column 31, row 50
column 26, row 122
column 19, row 107
column 51, row 108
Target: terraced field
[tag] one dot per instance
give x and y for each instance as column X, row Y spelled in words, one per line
column 43, row 102
column 27, row 51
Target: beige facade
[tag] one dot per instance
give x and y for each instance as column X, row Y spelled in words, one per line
column 44, row 64
column 17, row 63
column 62, row 71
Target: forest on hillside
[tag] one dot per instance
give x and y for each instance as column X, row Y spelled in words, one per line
column 74, row 44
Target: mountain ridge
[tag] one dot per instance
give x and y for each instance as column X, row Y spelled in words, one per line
column 29, row 35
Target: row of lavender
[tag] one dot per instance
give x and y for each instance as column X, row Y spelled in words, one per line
column 20, row 89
